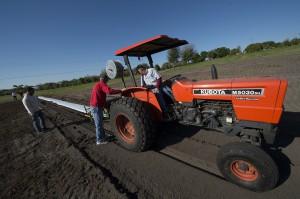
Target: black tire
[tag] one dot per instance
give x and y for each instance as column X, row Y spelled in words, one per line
column 247, row 166
column 132, row 124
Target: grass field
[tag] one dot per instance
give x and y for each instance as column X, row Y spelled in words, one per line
column 267, row 53
column 242, row 57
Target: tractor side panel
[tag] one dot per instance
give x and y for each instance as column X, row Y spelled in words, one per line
column 185, row 90
column 279, row 103
column 212, row 89
column 182, row 90
column 146, row 96
column 260, row 106
column 253, row 99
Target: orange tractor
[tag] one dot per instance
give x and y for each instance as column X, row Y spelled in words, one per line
column 249, row 108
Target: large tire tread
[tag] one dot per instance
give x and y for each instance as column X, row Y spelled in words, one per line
column 143, row 118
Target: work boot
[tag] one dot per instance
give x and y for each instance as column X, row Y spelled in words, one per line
column 103, row 141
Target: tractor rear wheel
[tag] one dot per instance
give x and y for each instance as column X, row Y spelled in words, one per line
column 247, row 166
column 132, row 124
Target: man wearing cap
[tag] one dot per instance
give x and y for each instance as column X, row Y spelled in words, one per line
column 150, row 77
column 33, row 107
column 98, row 104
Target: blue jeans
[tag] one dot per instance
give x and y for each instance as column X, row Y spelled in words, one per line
column 98, row 119
column 160, row 98
column 38, row 119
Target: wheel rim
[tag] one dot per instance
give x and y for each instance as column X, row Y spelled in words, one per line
column 125, row 128
column 244, row 170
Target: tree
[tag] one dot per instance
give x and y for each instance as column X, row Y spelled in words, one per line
column 166, row 65
column 157, row 67
column 211, row 54
column 295, row 41
column 197, row 58
column 254, row 47
column 173, row 55
column 81, row 80
column 204, row 54
column 286, row 43
column 235, row 51
column 64, row 83
column 222, row 52
column 268, row 44
column 188, row 53
column 19, row 88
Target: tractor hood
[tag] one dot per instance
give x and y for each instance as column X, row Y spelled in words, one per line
column 264, row 93
column 223, row 88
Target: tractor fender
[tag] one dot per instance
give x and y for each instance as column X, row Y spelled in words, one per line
column 146, row 96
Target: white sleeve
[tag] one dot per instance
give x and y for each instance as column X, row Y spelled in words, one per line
column 26, row 105
column 156, row 74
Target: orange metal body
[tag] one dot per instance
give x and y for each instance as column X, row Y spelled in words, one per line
column 265, row 107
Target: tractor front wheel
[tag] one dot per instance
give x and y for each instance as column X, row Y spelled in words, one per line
column 247, row 166
column 132, row 124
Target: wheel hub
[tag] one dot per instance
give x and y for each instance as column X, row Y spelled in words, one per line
column 243, row 166
column 125, row 128
column 244, row 170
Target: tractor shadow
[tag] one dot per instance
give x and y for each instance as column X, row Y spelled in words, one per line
column 174, row 133
column 285, row 149
column 288, row 129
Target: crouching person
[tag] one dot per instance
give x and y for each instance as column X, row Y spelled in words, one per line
column 33, row 107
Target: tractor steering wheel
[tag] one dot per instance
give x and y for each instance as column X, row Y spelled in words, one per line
column 173, row 78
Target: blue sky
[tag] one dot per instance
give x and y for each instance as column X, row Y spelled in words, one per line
column 52, row 40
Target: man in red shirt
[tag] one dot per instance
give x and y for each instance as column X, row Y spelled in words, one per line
column 98, row 103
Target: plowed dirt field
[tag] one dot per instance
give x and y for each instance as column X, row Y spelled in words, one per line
column 65, row 162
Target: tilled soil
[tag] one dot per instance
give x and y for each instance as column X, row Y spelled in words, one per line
column 65, row 162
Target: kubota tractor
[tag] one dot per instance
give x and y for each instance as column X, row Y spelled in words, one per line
column 246, row 107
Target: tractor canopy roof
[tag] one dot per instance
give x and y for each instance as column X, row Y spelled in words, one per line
column 150, row 46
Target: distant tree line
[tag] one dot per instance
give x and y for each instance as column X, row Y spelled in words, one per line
column 188, row 54
column 175, row 57
column 18, row 89
column 65, row 83
column 51, row 85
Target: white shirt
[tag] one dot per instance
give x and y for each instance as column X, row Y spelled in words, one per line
column 151, row 77
column 31, row 103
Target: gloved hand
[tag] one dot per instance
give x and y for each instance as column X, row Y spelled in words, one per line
column 148, row 87
column 123, row 89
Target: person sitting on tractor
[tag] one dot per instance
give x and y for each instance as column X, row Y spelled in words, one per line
column 150, row 78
